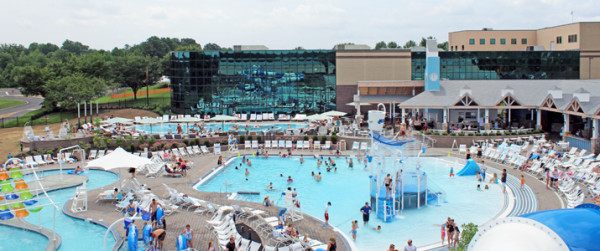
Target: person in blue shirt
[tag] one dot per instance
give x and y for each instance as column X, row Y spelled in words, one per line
column 366, row 210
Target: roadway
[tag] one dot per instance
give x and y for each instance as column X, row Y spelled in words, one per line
column 33, row 103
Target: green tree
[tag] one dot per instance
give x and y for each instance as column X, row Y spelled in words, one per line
column 75, row 47
column 191, row 47
column 73, row 89
column 409, row 44
column 443, row 46
column 212, row 47
column 130, row 70
column 299, row 48
column 31, row 79
column 380, row 45
column 392, row 45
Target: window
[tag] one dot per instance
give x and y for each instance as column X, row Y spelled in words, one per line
column 559, row 40
column 482, row 41
column 513, row 41
column 492, row 41
column 503, row 41
column 573, row 38
column 471, row 41
column 523, row 40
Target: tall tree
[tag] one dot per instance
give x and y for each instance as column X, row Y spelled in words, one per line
column 73, row 89
column 190, row 47
column 130, row 70
column 212, row 47
column 380, row 45
column 443, row 46
column 409, row 44
column 75, row 47
column 32, row 78
column 299, row 48
column 392, row 45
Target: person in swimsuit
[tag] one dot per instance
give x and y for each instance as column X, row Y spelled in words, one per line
column 220, row 161
column 388, row 186
column 211, row 246
column 450, row 233
column 456, row 236
column 365, row 210
column 301, row 159
column 503, row 180
column 522, row 181
column 153, row 208
column 451, row 172
column 231, row 244
column 350, row 164
column 130, row 209
column 392, row 248
column 332, row 246
column 158, row 236
column 189, row 235
column 354, row 229
column 327, row 214
column 443, row 232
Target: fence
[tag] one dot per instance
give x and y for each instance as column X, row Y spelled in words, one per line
column 580, row 143
column 7, row 122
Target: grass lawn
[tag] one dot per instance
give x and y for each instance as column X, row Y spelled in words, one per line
column 106, row 99
column 46, row 119
column 6, row 103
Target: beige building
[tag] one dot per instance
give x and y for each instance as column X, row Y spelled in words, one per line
column 583, row 36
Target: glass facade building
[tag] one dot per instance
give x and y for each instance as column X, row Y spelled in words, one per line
column 273, row 81
column 484, row 65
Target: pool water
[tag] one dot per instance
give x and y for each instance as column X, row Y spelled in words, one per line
column 76, row 234
column 348, row 190
column 164, row 128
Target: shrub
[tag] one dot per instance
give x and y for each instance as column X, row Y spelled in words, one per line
column 468, row 231
column 107, row 141
column 142, row 146
column 128, row 138
column 96, row 141
column 207, row 142
column 185, row 141
column 452, row 134
column 131, row 148
column 242, row 139
column 259, row 138
column 436, row 133
column 461, row 134
column 484, row 134
column 196, row 141
column 428, row 133
column 119, row 142
column 142, row 139
column 445, row 133
column 249, row 137
column 334, row 139
column 470, row 134
column 323, row 139
column 305, row 137
column 513, row 133
column 156, row 146
column 315, row 138
column 477, row 134
column 151, row 140
column 498, row 133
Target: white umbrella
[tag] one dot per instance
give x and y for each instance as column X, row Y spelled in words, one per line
column 334, row 113
column 187, row 120
column 360, row 104
column 117, row 120
column 119, row 158
column 223, row 118
column 318, row 117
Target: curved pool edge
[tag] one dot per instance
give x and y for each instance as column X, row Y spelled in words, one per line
column 118, row 239
column 54, row 239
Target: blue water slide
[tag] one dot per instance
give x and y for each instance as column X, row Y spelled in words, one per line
column 579, row 227
column 388, row 141
column 132, row 238
column 471, row 168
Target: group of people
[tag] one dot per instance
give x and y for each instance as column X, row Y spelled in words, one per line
column 409, row 246
column 450, row 231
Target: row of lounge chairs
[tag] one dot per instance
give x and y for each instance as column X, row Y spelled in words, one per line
column 288, row 144
column 241, row 117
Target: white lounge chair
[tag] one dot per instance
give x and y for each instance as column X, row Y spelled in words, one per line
column 364, row 146
column 355, row 146
column 281, row 144
column 254, row 144
column 93, row 154
column 29, row 161
column 317, row 145
column 252, row 117
column 462, row 149
column 288, row 144
column 101, row 153
column 274, row 144
column 259, row 117
column 299, row 144
column 204, row 149
column 38, row 159
column 196, row 150
column 217, row 148
column 267, row 144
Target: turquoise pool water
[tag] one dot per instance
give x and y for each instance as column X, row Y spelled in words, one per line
column 348, row 190
column 164, row 128
column 76, row 234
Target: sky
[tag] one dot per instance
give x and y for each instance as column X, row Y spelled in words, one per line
column 278, row 24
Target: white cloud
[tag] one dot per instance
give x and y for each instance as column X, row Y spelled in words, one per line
column 278, row 24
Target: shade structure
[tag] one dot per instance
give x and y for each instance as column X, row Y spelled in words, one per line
column 117, row 120
column 334, row 113
column 360, row 104
column 223, row 118
column 318, row 117
column 119, row 158
column 187, row 120
column 149, row 121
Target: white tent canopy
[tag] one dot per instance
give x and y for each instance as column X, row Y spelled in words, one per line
column 119, row 158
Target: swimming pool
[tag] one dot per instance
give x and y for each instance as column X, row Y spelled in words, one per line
column 164, row 128
column 76, row 234
column 348, row 190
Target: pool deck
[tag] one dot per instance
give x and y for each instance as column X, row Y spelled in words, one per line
column 203, row 164
column 51, row 182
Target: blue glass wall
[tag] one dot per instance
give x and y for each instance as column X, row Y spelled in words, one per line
column 482, row 65
column 223, row 82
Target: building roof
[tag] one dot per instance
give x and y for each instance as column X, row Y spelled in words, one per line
column 523, row 94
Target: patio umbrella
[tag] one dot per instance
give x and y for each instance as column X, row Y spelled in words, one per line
column 223, row 118
column 117, row 120
column 360, row 104
column 187, row 120
column 334, row 113
column 119, row 158
column 149, row 121
column 318, row 117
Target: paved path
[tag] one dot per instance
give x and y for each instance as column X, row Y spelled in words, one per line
column 33, row 103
